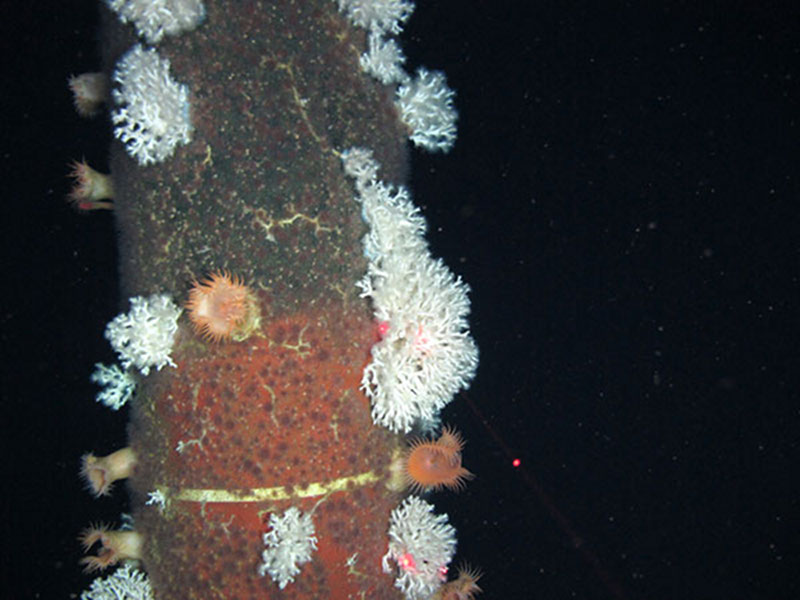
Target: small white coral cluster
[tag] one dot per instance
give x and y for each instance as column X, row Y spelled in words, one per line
column 290, row 543
column 383, row 59
column 426, row 107
column 144, row 336
column 425, row 102
column 426, row 354
column 154, row 18
column 123, row 584
column 421, row 544
column 152, row 116
column 118, row 385
column 378, row 15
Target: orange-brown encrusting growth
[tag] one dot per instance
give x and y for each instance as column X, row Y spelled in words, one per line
column 114, row 547
column 221, row 308
column 434, row 464
column 100, row 472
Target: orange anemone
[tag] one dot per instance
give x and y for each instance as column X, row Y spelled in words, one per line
column 91, row 189
column 114, row 546
column 221, row 308
column 434, row 464
column 100, row 472
column 465, row 587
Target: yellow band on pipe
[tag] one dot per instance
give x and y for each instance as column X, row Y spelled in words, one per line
column 274, row 493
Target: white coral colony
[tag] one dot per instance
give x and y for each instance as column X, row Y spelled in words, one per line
column 426, row 354
column 289, row 543
column 421, row 544
column 154, row 18
column 152, row 114
column 123, row 584
column 426, row 107
column 144, row 336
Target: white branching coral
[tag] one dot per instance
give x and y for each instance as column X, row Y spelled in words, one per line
column 152, row 116
column 422, row 544
column 384, row 16
column 426, row 107
column 397, row 228
column 290, row 543
column 384, row 60
column 144, row 336
column 157, row 498
column 359, row 164
column 426, row 354
column 154, row 18
column 118, row 385
column 123, row 584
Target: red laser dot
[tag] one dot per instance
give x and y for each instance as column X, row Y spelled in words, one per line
column 407, row 562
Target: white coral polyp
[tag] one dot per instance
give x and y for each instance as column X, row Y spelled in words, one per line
column 290, row 543
column 154, row 18
column 143, row 337
column 426, row 107
column 421, row 544
column 152, row 117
